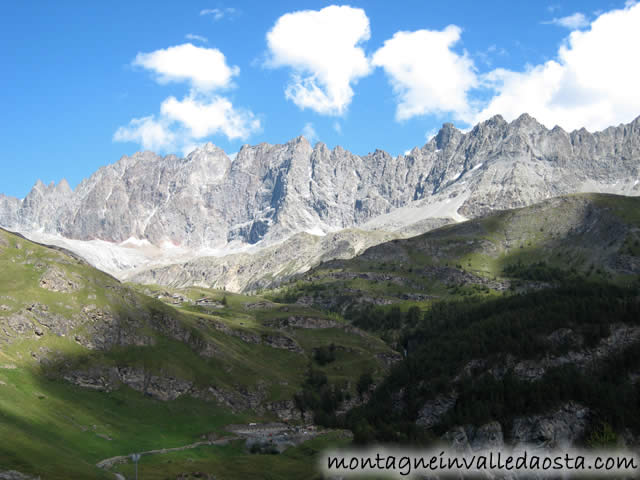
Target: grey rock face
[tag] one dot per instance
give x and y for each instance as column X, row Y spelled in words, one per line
column 471, row 439
column 15, row 475
column 621, row 337
column 271, row 192
column 432, row 412
column 561, row 427
column 488, row 436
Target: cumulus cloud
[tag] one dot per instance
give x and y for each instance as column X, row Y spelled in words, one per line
column 593, row 82
column 204, row 117
column 201, row 113
column 572, row 22
column 196, row 38
column 183, row 122
column 427, row 76
column 152, row 134
column 205, row 68
column 323, row 50
column 309, row 132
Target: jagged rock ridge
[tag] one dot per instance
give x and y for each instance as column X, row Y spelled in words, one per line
column 271, row 192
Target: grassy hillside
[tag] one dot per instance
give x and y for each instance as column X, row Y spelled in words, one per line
column 508, row 316
column 91, row 369
column 593, row 235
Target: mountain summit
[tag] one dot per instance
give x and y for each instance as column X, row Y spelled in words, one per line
column 270, row 192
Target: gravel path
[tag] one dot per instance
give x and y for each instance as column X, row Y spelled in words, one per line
column 107, row 463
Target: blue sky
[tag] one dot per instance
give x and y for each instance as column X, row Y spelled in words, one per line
column 84, row 83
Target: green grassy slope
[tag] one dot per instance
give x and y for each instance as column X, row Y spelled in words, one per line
column 486, row 289
column 94, row 326
column 595, row 235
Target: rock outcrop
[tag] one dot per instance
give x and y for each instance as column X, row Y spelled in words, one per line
column 562, row 427
column 15, row 475
column 56, row 280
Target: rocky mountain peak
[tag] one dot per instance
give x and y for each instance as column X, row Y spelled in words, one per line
column 63, row 187
column 339, row 150
column 207, row 148
column 634, row 126
column 447, row 133
column 39, row 186
column 558, row 130
column 527, row 122
column 270, row 192
column 300, row 139
column 496, row 121
column 320, row 147
column 380, row 154
column 208, row 152
column 490, row 127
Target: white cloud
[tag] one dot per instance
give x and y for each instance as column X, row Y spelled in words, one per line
column 148, row 132
column 196, row 38
column 322, row 47
column 593, row 82
column 182, row 123
column 337, row 127
column 219, row 13
column 572, row 22
column 204, row 117
column 309, row 132
column 427, row 76
column 201, row 113
column 205, row 68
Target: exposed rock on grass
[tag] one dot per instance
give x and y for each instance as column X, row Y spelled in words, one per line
column 56, row 280
column 302, row 322
column 15, row 475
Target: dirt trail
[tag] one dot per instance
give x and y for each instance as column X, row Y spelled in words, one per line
column 107, row 463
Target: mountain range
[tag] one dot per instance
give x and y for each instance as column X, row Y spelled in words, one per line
column 197, row 220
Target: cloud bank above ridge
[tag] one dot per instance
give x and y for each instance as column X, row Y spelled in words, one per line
column 591, row 80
